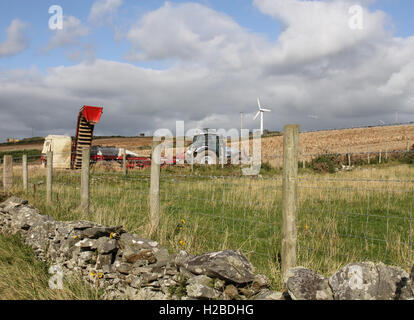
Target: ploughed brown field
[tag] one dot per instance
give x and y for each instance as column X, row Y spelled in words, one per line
column 357, row 140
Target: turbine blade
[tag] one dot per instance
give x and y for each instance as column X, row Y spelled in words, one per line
column 257, row 114
column 266, row 110
column 258, row 103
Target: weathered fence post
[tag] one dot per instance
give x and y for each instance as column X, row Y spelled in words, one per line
column 223, row 157
column 86, row 158
column 25, row 173
column 349, row 158
column 369, row 160
column 155, row 186
column 277, row 159
column 49, row 175
column 289, row 196
column 386, row 152
column 124, row 166
column 303, row 157
column 379, row 157
column 7, row 172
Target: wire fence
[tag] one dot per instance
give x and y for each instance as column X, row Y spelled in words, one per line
column 340, row 218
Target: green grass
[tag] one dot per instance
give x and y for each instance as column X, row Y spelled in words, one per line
column 342, row 217
column 24, row 277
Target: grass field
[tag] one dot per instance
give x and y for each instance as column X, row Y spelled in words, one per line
column 365, row 214
column 24, row 277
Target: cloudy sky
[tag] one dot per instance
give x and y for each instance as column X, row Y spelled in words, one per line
column 322, row 64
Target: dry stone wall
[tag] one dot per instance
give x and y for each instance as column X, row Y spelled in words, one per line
column 126, row 266
column 355, row 281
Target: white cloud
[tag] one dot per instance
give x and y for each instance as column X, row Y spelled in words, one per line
column 103, row 11
column 316, row 67
column 73, row 30
column 16, row 40
column 192, row 33
column 315, row 29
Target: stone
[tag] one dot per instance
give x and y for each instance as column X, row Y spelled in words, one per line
column 86, row 244
column 306, row 284
column 149, row 294
column 86, row 257
column 132, row 256
column 162, row 257
column 136, row 283
column 39, row 235
column 260, row 281
column 181, row 258
column 98, row 232
column 201, row 287
column 81, row 225
column 25, row 217
column 104, row 261
column 12, row 202
column 266, row 294
column 148, row 278
column 135, row 242
column 105, row 245
column 124, row 268
column 367, row 281
column 407, row 291
column 391, row 281
column 229, row 265
column 219, row 284
column 231, row 292
column 247, row 292
column 167, row 285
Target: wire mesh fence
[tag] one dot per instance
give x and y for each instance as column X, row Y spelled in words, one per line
column 341, row 218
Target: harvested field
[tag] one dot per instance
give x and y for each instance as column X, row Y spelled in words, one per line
column 341, row 141
column 334, row 141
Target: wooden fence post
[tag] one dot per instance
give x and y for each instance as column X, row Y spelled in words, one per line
column 277, row 160
column 303, row 157
column 49, row 177
column 7, row 172
column 349, row 158
column 223, row 157
column 124, row 166
column 25, row 173
column 380, row 155
column 386, row 152
column 155, row 186
column 369, row 160
column 86, row 158
column 289, row 196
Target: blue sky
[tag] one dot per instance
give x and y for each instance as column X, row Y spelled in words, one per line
column 205, row 61
column 36, row 14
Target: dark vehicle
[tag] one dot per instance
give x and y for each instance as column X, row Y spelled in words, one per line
column 210, row 148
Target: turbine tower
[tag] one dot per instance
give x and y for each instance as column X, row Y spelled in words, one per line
column 260, row 112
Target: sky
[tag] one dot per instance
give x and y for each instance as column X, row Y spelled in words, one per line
column 321, row 64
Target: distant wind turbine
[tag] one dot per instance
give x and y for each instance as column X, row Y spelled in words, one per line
column 260, row 112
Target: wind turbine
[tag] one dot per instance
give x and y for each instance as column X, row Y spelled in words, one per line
column 260, row 112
